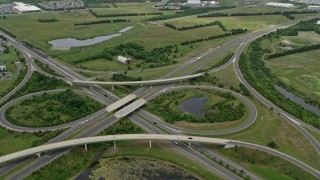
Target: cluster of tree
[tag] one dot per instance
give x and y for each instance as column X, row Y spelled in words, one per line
column 289, row 16
column 48, row 20
column 188, row 12
column 22, row 74
column 285, row 13
column 27, row 43
column 261, row 78
column 39, row 82
column 224, row 110
column 46, row 68
column 3, row 37
column 4, row 17
column 124, row 126
column 124, row 77
column 157, row 56
column 294, row 51
column 233, row 32
column 244, row 90
column 123, row 14
column 45, row 136
column 54, row 109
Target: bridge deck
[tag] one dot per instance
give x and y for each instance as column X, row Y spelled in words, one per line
column 130, row 108
column 157, row 81
column 121, row 102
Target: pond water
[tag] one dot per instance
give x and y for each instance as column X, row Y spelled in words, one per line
column 298, row 100
column 68, row 43
column 194, row 105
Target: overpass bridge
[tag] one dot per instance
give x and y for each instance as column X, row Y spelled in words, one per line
column 161, row 137
column 156, row 81
column 110, row 138
column 121, row 102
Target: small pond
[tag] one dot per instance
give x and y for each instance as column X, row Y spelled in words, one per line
column 68, row 43
column 298, row 100
column 194, row 105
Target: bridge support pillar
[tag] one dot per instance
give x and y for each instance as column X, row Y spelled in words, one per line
column 180, row 81
column 141, row 85
column 38, row 154
column 114, row 145
column 189, row 144
column 112, row 87
column 149, row 143
column 85, row 147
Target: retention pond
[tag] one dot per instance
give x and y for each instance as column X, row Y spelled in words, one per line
column 67, row 43
column 194, row 105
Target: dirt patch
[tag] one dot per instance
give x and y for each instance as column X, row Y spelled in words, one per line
column 139, row 168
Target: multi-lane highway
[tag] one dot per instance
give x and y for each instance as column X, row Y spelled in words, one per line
column 108, row 98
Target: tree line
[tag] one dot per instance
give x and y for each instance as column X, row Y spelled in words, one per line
column 214, row 23
column 188, row 12
column 233, row 32
column 48, row 20
column 123, row 14
column 102, row 22
column 294, row 51
column 285, row 13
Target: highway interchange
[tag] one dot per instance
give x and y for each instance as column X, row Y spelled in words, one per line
column 103, row 119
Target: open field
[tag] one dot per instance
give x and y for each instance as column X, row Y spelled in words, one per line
column 15, row 141
column 28, row 28
column 301, row 71
column 246, row 22
column 265, row 165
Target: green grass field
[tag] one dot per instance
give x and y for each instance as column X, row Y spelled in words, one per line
column 15, row 141
column 265, row 165
column 301, row 71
